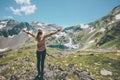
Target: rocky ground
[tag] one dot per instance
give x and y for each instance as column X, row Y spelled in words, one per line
column 26, row 70
column 20, row 64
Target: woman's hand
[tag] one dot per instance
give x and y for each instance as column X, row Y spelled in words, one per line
column 24, row 30
column 60, row 29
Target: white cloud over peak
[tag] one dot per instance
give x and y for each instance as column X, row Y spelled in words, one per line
column 28, row 9
column 22, row 1
column 25, row 8
column 15, row 11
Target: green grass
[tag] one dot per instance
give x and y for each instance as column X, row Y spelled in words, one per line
column 95, row 63
column 109, row 61
column 112, row 43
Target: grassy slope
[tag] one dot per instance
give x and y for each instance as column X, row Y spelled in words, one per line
column 82, row 61
column 114, row 43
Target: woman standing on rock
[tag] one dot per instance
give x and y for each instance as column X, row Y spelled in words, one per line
column 41, row 49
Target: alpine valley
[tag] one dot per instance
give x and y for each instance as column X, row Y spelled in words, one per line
column 88, row 51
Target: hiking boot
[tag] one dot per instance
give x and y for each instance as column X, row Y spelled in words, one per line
column 42, row 78
column 38, row 77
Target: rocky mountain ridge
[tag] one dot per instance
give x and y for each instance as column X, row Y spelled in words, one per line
column 102, row 33
column 11, row 34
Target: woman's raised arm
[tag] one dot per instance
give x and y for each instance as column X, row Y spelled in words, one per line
column 27, row 32
column 52, row 33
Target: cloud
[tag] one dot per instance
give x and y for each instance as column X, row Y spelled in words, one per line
column 28, row 9
column 22, row 1
column 25, row 8
column 15, row 11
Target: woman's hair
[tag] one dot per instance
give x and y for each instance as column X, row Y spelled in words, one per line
column 38, row 35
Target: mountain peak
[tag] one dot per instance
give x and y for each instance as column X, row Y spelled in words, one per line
column 116, row 8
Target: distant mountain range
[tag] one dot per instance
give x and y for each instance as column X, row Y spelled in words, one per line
column 103, row 33
column 11, row 35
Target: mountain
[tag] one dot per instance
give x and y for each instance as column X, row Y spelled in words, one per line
column 108, row 30
column 12, row 27
column 102, row 33
column 11, row 35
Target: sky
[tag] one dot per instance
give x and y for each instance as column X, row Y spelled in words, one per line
column 61, row 12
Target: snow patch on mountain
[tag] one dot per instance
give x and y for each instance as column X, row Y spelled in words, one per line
column 91, row 41
column 84, row 26
column 11, row 36
column 102, row 29
column 4, row 49
column 111, row 22
column 70, row 45
column 91, row 30
column 39, row 24
column 3, row 24
column 117, row 17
